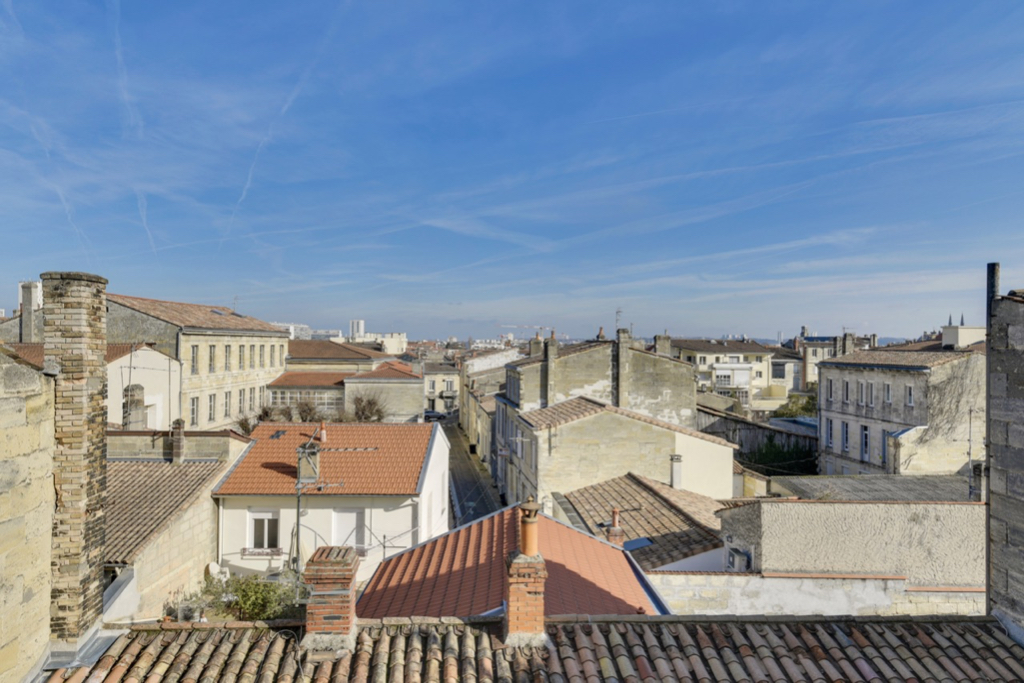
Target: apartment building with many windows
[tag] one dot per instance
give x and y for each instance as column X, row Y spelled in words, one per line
column 915, row 409
column 227, row 359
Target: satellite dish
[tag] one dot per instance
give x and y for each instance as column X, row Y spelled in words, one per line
column 212, row 569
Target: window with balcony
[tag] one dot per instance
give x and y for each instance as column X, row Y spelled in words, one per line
column 723, row 380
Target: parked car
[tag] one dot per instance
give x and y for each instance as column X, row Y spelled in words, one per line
column 433, row 416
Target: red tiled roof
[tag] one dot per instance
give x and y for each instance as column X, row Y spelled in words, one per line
column 390, row 370
column 196, row 315
column 311, row 379
column 581, row 407
column 463, row 572
column 324, row 349
column 627, row 649
column 366, row 459
column 33, row 353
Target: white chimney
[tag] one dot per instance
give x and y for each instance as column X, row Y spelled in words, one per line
column 676, row 479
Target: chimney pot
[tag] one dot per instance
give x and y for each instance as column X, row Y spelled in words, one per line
column 676, row 478
column 524, row 586
column 323, row 432
column 528, row 523
column 614, row 533
column 178, row 441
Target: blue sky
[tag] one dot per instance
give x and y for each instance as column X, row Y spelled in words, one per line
column 443, row 168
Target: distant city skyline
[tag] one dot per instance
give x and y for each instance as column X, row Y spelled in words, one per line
column 442, row 169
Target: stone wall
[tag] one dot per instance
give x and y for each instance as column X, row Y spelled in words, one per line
column 1006, row 457
column 748, row 435
column 26, row 517
column 402, row 399
column 128, row 325
column 174, row 561
column 931, row 544
column 694, row 593
column 198, row 445
column 660, row 387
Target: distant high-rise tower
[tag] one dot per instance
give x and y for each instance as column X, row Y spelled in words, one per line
column 356, row 328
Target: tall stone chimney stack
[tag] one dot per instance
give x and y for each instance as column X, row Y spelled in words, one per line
column 74, row 335
column 28, row 321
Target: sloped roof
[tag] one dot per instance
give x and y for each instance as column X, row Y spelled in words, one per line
column 639, row 648
column 721, row 346
column 199, row 316
column 311, row 379
column 678, row 527
column 463, row 573
column 390, row 370
column 358, row 459
column 145, row 495
column 325, row 349
column 879, row 487
column 580, row 407
column 898, row 360
column 33, row 353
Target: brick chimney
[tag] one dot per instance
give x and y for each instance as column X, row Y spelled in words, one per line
column 331, row 611
column 524, row 590
column 614, row 532
column 178, row 441
column 74, row 334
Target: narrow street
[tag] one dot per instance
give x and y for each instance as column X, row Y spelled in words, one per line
column 473, row 492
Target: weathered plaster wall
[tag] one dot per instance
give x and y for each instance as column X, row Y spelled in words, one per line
column 173, row 563
column 661, row 388
column 608, row 445
column 26, row 516
column 403, row 400
column 160, row 377
column 931, row 544
column 582, row 374
column 754, row 594
column 1006, row 458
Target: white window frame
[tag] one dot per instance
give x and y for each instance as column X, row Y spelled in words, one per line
column 212, row 412
column 255, row 515
column 213, row 359
column 195, row 359
column 227, row 358
column 887, row 393
column 193, row 405
column 227, row 403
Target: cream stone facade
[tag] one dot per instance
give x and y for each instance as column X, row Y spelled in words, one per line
column 26, row 516
column 441, row 387
column 227, row 359
column 608, row 444
column 732, row 367
column 901, row 412
column 158, row 404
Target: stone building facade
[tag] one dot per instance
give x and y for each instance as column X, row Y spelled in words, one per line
column 1006, row 453
column 26, row 516
column 227, row 359
column 901, row 412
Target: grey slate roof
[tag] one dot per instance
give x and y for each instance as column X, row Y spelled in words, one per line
column 898, row 360
column 880, row 487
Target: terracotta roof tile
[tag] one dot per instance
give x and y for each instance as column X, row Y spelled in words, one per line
column 582, row 407
column 143, row 496
column 199, row 316
column 679, row 524
column 33, row 353
column 390, row 370
column 324, row 349
column 311, row 379
column 365, row 459
column 462, row 573
column 636, row 649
